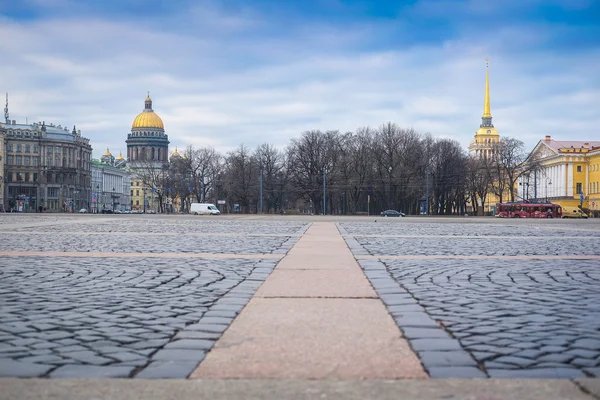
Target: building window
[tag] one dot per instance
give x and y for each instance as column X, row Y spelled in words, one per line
column 19, row 148
column 9, row 147
column 27, row 148
column 137, row 192
column 132, row 192
column 9, row 160
column 26, row 176
column 579, row 168
column 36, row 148
column 35, row 177
column 137, row 184
column 52, row 193
column 137, row 202
column 36, row 161
column 17, row 160
column 579, row 188
column 27, row 160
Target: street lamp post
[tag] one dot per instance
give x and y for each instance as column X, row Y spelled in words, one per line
column 261, row 189
column 324, row 190
column 144, row 191
column 390, row 188
column 113, row 199
column 97, row 198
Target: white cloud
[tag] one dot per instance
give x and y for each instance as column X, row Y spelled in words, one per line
column 222, row 84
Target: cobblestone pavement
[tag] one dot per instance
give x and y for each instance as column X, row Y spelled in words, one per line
column 137, row 317
column 522, row 317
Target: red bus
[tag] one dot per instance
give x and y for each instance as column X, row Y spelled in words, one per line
column 528, row 210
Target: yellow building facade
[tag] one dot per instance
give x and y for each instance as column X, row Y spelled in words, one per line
column 568, row 173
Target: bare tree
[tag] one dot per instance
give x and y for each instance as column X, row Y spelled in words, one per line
column 154, row 177
column 271, row 165
column 202, row 165
column 478, row 182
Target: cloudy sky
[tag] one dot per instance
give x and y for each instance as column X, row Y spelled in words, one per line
column 226, row 72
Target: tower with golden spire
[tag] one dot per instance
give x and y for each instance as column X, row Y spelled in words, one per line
column 486, row 137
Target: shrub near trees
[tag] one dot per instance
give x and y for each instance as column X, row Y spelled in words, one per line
column 390, row 166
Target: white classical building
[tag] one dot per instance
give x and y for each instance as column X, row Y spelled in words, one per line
column 111, row 185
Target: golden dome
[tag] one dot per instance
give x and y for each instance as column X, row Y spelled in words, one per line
column 147, row 118
column 107, row 154
column 175, row 153
column 120, row 156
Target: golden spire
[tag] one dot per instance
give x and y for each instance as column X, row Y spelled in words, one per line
column 486, row 103
column 120, row 156
column 107, row 154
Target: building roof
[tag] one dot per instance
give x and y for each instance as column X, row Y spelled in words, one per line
column 53, row 132
column 560, row 145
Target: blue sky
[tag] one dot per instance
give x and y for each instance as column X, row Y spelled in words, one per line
column 223, row 73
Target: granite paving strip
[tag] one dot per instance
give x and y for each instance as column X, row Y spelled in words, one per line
column 347, row 337
column 214, row 389
column 477, row 257
column 135, row 255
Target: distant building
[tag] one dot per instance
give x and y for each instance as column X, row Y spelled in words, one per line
column 568, row 173
column 486, row 137
column 45, row 166
column 147, row 144
column 111, row 184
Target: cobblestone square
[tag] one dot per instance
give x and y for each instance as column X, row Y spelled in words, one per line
column 116, row 316
column 148, row 296
column 500, row 299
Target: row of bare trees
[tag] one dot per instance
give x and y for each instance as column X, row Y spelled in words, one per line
column 369, row 170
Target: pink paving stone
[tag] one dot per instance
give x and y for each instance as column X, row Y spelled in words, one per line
column 312, row 339
column 350, row 283
column 339, row 261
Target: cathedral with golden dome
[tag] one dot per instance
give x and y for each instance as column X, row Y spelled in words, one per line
column 147, row 144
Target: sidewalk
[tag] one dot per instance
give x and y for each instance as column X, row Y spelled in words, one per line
column 314, row 329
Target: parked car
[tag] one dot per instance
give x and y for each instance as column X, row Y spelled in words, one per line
column 392, row 213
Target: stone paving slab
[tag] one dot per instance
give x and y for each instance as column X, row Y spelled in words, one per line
column 590, row 386
column 305, row 337
column 323, row 262
column 311, row 339
column 317, row 283
column 454, row 389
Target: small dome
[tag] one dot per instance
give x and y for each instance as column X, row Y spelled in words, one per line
column 107, row 154
column 120, row 156
column 175, row 153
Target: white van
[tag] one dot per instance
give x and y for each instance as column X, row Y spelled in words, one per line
column 204, row 208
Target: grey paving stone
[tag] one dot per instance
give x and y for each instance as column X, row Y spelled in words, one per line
column 197, row 335
column 424, row 333
column 540, row 373
column 92, row 371
column 415, row 319
column 179, row 355
column 203, row 327
column 432, row 344
column 16, row 369
column 168, row 370
column 595, row 372
column 446, row 358
column 193, row 344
